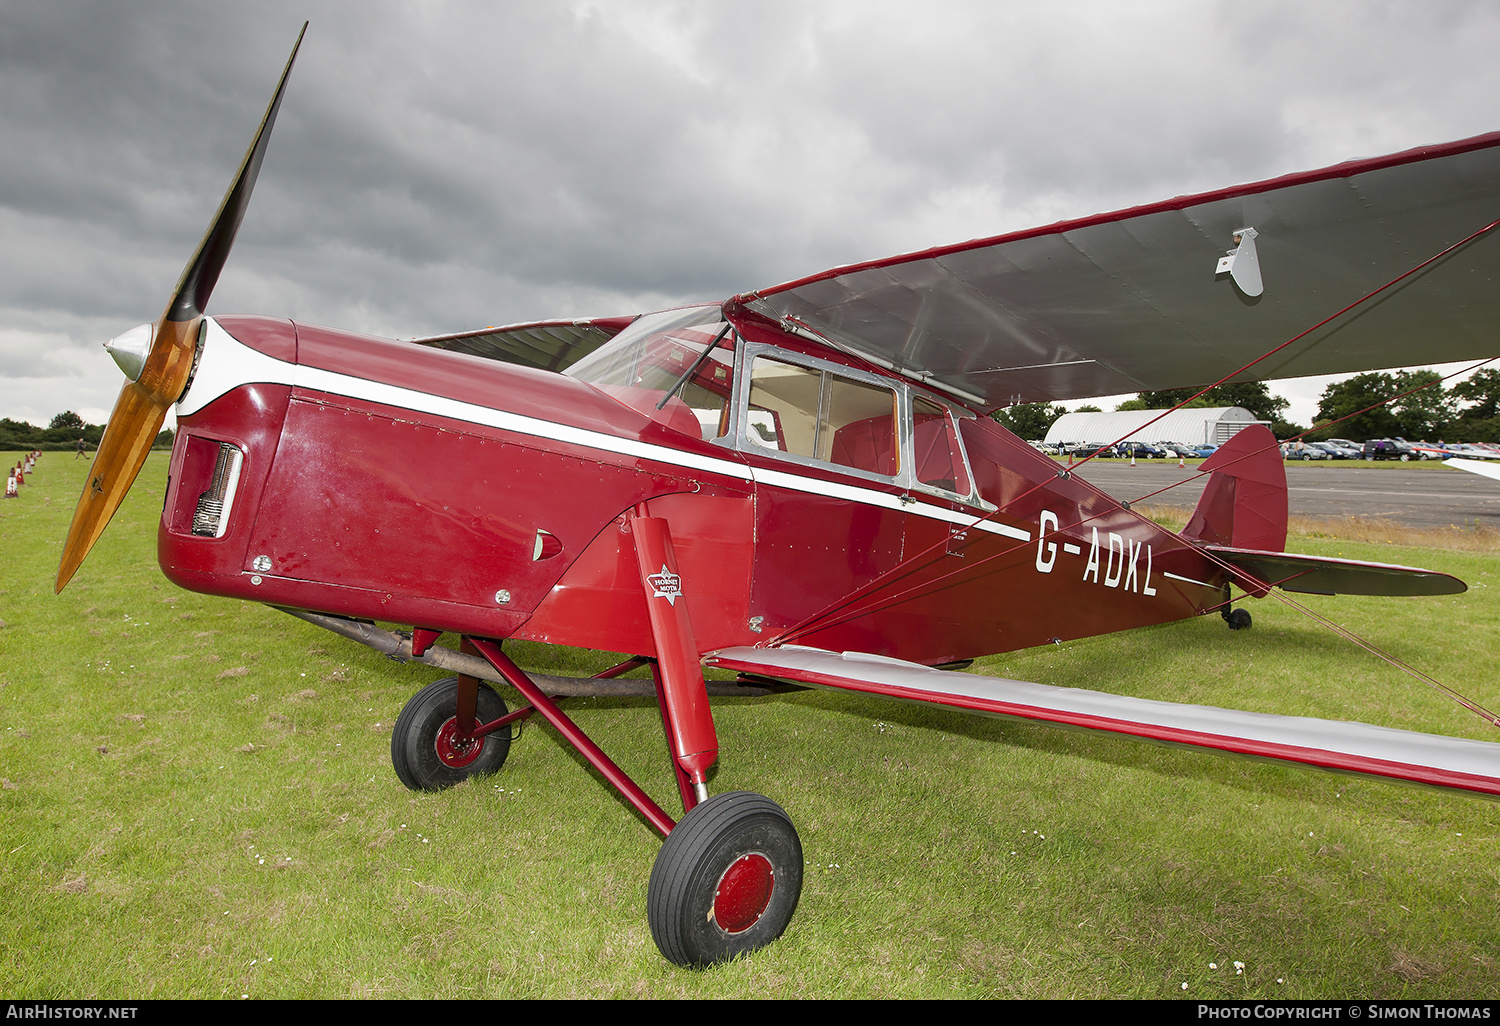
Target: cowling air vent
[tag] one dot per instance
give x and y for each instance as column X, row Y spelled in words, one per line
column 211, row 518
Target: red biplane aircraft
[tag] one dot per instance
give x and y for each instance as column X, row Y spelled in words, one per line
column 800, row 483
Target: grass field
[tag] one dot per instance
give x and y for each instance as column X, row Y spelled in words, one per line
column 196, row 800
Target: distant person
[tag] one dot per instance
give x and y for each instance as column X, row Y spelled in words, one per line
column 79, row 456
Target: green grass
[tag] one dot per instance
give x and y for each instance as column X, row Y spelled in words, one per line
column 197, row 801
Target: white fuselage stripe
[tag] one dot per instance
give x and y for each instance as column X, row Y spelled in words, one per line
column 228, row 363
column 1188, row 580
column 869, row 497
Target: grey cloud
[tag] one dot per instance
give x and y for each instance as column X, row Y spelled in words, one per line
column 437, row 167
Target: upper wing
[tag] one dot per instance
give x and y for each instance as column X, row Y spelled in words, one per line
column 545, row 345
column 1404, row 755
column 1131, row 301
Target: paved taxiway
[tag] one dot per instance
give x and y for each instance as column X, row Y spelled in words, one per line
column 1421, row 496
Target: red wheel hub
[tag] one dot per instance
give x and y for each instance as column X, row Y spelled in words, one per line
column 744, row 893
column 453, row 750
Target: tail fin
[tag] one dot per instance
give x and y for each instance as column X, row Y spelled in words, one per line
column 1244, row 503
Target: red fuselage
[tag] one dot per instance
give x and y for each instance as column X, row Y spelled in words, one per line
column 395, row 482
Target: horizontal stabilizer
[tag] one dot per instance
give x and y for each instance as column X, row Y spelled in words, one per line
column 1324, row 575
column 1358, row 748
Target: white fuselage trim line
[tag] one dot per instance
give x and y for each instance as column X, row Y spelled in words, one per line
column 227, row 364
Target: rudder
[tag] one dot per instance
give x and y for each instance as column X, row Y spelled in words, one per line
column 1244, row 505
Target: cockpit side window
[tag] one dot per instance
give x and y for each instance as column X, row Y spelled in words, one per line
column 819, row 415
column 937, row 458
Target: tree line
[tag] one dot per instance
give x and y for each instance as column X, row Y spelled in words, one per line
column 1416, row 407
column 1406, row 404
column 61, row 433
column 1031, row 420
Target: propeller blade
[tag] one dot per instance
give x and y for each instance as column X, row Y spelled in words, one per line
column 142, row 406
column 133, row 426
column 202, row 271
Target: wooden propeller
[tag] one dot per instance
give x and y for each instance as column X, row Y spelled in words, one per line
column 142, row 406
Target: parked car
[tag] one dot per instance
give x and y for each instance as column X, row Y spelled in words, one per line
column 1473, row 451
column 1338, row 452
column 1303, row 451
column 1388, row 449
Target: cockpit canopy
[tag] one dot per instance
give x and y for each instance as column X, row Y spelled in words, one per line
column 689, row 370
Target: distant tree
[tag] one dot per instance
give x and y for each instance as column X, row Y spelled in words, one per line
column 1088, row 409
column 1133, row 404
column 67, row 419
column 1343, row 399
column 1254, row 396
column 1427, row 413
column 1029, row 420
column 164, row 439
column 1475, row 430
column 1482, row 389
column 1283, row 429
column 16, row 431
column 1480, row 420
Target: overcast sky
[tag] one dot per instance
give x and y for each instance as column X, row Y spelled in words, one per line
column 442, row 166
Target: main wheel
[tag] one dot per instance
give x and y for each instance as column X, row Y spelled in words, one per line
column 1237, row 619
column 425, row 747
column 726, row 881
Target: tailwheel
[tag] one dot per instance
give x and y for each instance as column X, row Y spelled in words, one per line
column 1237, row 619
column 427, row 752
column 726, row 881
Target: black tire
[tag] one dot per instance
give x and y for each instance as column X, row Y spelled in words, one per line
column 424, row 751
column 741, row 832
column 1238, row 619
